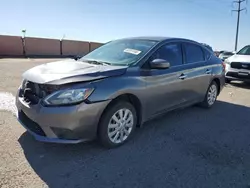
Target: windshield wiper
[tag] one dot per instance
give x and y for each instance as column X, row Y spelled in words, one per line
column 97, row 62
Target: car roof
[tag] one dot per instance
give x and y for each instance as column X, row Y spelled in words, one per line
column 157, row 38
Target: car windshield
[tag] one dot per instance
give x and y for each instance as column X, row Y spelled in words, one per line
column 244, row 51
column 120, row 52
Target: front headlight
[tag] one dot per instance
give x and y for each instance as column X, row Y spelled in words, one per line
column 67, row 97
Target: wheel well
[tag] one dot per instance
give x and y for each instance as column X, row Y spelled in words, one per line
column 217, row 81
column 131, row 99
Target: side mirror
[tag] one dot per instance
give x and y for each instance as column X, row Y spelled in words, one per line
column 159, row 64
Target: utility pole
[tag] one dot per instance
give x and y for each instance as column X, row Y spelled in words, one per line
column 61, row 41
column 238, row 20
column 23, row 42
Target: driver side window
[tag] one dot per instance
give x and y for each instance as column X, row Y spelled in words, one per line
column 169, row 52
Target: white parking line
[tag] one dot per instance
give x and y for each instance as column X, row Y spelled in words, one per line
column 7, row 102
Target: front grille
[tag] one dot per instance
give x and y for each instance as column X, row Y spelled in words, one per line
column 30, row 92
column 239, row 65
column 31, row 125
column 236, row 75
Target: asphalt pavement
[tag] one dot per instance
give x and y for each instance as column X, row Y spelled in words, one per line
column 189, row 148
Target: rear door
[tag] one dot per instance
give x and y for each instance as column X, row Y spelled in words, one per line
column 198, row 72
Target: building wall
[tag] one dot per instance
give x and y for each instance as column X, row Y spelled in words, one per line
column 11, row 46
column 40, row 46
column 70, row 47
column 94, row 45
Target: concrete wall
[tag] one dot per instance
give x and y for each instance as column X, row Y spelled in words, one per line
column 39, row 46
column 11, row 46
column 94, row 45
column 70, row 47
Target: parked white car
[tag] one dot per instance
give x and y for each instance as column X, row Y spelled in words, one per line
column 223, row 56
column 238, row 65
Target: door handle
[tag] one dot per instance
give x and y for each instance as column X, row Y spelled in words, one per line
column 182, row 76
column 208, row 71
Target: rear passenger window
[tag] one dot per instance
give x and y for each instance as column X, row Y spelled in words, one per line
column 193, row 53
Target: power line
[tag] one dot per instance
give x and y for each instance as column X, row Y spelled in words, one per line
column 238, row 20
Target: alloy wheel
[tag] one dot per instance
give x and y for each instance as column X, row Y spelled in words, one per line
column 120, row 125
column 212, row 94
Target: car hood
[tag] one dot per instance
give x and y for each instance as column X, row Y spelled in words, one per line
column 67, row 71
column 239, row 58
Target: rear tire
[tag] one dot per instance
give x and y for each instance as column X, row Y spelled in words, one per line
column 117, row 124
column 211, row 95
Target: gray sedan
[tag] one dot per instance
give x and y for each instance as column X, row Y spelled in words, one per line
column 116, row 88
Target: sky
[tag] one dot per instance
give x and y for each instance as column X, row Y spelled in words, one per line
column 208, row 21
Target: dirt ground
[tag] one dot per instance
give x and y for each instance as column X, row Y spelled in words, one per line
column 193, row 148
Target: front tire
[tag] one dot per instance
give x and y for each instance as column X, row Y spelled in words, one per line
column 117, row 124
column 211, row 95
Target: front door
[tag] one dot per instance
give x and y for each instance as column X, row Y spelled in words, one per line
column 165, row 86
